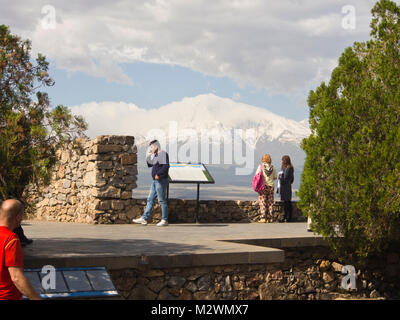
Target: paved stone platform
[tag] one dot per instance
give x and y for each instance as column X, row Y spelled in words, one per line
column 177, row 245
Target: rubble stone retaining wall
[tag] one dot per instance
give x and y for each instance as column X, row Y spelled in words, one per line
column 92, row 182
column 306, row 274
column 214, row 211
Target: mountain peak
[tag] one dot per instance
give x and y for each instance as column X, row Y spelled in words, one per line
column 209, row 111
column 202, row 112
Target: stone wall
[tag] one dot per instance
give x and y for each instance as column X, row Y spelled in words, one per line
column 92, row 182
column 214, row 211
column 306, row 274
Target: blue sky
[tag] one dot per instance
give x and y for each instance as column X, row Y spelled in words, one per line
column 150, row 53
column 155, row 85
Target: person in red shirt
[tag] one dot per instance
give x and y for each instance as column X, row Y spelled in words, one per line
column 13, row 283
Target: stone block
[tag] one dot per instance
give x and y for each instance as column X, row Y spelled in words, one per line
column 337, row 267
column 109, row 192
column 151, row 273
column 129, row 179
column 204, row 282
column 270, row 291
column 142, row 293
column 324, row 265
column 73, row 200
column 134, row 212
column 248, row 295
column 99, row 157
column 131, row 186
column 103, row 139
column 44, row 202
column 191, row 286
column 328, row 276
column 100, row 148
column 165, row 295
column 90, row 166
column 128, row 159
column 185, row 295
column 66, row 184
column 65, row 156
column 61, row 197
column 117, row 205
column 176, row 282
column 103, row 205
column 126, row 195
column 156, row 285
column 131, row 170
column 114, row 139
column 94, row 178
column 129, row 140
column 61, row 172
column 104, row 164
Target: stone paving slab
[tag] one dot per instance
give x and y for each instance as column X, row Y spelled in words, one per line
column 177, row 245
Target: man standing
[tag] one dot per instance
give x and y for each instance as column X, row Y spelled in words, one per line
column 159, row 161
column 13, row 283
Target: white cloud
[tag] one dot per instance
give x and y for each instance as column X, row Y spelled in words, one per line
column 236, row 96
column 202, row 112
column 324, row 25
column 284, row 46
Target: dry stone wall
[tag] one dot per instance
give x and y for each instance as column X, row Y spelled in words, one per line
column 306, row 274
column 92, row 182
column 214, row 211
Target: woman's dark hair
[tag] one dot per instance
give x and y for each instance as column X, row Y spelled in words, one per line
column 286, row 163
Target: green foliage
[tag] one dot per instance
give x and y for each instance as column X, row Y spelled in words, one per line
column 30, row 130
column 350, row 186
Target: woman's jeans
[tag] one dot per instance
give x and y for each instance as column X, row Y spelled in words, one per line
column 158, row 190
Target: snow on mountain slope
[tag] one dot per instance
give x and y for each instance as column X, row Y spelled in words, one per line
column 209, row 111
column 275, row 134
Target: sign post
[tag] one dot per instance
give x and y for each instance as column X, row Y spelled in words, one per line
column 189, row 173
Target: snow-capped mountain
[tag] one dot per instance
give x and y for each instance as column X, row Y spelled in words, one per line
column 274, row 134
column 210, row 112
column 176, row 123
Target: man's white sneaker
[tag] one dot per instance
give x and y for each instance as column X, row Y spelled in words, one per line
column 140, row 221
column 162, row 223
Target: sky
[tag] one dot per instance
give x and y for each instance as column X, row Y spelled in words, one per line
column 269, row 54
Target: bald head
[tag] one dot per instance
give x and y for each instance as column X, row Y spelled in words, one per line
column 10, row 209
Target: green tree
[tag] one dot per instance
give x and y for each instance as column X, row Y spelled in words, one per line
column 350, row 186
column 30, row 130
